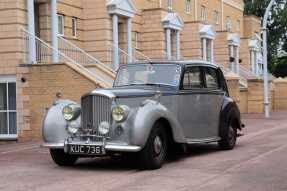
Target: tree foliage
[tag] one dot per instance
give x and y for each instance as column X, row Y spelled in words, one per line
column 277, row 25
column 280, row 69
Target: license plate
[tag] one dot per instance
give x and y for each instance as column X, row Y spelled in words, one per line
column 86, row 149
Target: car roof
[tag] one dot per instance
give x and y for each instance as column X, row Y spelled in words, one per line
column 181, row 62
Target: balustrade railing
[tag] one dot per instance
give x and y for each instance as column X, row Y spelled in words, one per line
column 77, row 54
column 44, row 53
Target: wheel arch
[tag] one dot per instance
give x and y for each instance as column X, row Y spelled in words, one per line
column 145, row 119
column 229, row 112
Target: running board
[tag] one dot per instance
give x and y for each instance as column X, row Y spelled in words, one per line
column 198, row 141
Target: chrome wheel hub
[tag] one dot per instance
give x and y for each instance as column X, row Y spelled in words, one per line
column 157, row 145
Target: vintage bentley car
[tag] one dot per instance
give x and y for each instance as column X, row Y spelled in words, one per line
column 152, row 109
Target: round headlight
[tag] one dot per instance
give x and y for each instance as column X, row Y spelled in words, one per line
column 71, row 112
column 104, row 128
column 120, row 113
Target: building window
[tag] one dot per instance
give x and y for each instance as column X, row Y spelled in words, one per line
column 61, row 25
column 238, row 25
column 206, row 49
column 216, row 17
column 169, row 5
column 137, row 40
column 187, row 6
column 228, row 24
column 203, row 14
column 234, row 58
column 8, row 123
column 74, row 27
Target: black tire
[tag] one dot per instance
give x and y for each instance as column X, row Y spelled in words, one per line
column 229, row 136
column 61, row 158
column 155, row 151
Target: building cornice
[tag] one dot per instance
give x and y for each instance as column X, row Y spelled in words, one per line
column 234, row 4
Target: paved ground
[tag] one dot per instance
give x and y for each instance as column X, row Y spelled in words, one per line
column 259, row 163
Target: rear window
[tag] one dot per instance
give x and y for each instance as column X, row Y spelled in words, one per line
column 211, row 78
column 192, row 78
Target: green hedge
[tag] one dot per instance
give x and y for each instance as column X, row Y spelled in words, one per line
column 280, row 69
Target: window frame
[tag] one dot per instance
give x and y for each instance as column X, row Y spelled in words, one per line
column 238, row 25
column 62, row 18
column 216, row 17
column 203, row 13
column 74, row 27
column 187, row 6
column 183, row 75
column 228, row 24
column 170, row 5
column 205, row 68
column 6, row 80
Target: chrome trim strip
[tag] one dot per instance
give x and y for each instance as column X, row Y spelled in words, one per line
column 208, row 140
column 53, row 145
column 108, row 147
column 122, row 148
column 103, row 92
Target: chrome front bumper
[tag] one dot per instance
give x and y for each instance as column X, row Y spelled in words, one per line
column 108, row 146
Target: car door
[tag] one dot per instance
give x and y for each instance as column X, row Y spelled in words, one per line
column 190, row 113
column 211, row 102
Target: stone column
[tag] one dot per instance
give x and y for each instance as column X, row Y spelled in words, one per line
column 252, row 59
column 115, row 42
column 54, row 30
column 168, row 43
column 178, row 56
column 232, row 55
column 204, row 56
column 212, row 51
column 237, row 60
column 129, row 40
column 31, row 30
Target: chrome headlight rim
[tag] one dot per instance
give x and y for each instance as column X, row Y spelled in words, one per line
column 71, row 112
column 120, row 113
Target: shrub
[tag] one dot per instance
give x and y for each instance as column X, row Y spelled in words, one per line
column 280, row 69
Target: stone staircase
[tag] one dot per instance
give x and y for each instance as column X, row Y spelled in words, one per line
column 69, row 53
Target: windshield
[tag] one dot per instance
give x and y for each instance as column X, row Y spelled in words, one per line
column 148, row 74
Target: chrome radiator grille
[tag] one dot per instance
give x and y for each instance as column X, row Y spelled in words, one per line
column 95, row 109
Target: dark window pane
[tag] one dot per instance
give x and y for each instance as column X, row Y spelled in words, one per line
column 12, row 123
column 192, row 78
column 3, row 96
column 12, row 96
column 211, row 78
column 3, row 123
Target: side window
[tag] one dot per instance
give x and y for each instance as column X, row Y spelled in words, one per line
column 192, row 78
column 211, row 78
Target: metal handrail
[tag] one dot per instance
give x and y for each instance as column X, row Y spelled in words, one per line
column 141, row 54
column 79, row 53
column 63, row 58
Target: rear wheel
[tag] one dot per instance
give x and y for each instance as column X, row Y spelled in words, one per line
column 229, row 137
column 154, row 153
column 61, row 158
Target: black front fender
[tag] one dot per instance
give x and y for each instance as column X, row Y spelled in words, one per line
column 229, row 112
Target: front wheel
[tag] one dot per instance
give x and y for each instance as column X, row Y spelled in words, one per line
column 154, row 153
column 228, row 139
column 61, row 158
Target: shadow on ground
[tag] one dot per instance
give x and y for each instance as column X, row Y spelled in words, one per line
column 120, row 163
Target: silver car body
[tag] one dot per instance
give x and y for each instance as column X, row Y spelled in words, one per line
column 192, row 116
